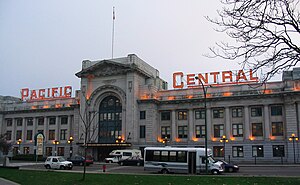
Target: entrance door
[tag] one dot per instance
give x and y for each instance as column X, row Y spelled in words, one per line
column 192, row 162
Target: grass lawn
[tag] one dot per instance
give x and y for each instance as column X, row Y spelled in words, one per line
column 63, row 178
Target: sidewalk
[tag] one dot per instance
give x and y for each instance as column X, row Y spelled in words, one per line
column 7, row 182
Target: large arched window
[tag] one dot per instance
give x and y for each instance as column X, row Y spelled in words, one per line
column 110, row 119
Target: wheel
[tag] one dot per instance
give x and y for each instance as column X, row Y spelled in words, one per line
column 81, row 164
column 138, row 164
column 215, row 172
column 62, row 167
column 109, row 161
column 121, row 163
column 164, row 171
column 230, row 169
column 48, row 167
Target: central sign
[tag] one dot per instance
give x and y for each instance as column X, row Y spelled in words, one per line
column 48, row 93
column 225, row 77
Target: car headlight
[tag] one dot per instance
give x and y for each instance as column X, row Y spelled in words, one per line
column 235, row 166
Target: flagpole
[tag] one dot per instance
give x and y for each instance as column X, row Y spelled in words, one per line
column 113, row 34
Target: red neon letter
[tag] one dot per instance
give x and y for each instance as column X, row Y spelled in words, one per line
column 33, row 95
column 226, row 75
column 190, row 79
column 180, row 74
column 54, row 92
column 253, row 78
column 241, row 75
column 68, row 91
column 42, row 93
column 215, row 74
column 201, row 77
column 24, row 93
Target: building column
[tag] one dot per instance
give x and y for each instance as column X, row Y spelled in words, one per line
column 46, row 129
column 173, row 128
column 23, row 130
column 209, row 124
column 191, row 125
column 227, row 123
column 34, row 126
column 13, row 130
column 70, row 126
column 247, row 127
column 267, row 123
column 57, row 123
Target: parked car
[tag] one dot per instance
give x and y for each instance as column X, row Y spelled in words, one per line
column 132, row 161
column 230, row 167
column 79, row 160
column 58, row 162
column 89, row 159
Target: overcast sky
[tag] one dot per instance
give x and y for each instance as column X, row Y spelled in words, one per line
column 42, row 43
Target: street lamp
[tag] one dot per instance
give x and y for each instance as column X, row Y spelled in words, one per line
column 224, row 140
column 205, row 122
column 294, row 138
column 70, row 141
column 165, row 141
column 19, row 143
column 55, row 142
column 119, row 139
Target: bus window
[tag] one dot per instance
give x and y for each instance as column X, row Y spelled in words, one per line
column 172, row 156
column 156, row 155
column 182, row 157
column 127, row 154
column 164, row 156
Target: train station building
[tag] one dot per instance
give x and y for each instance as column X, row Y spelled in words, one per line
column 123, row 103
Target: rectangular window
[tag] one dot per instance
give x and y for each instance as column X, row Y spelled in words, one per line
column 276, row 110
column 166, row 132
column 182, row 131
column 218, row 130
column 19, row 122
column 258, row 151
column 19, row 134
column 8, row 122
column 165, row 115
column 142, row 114
column 237, row 130
column 64, row 120
column 40, row 131
column 277, row 129
column 182, row 115
column 218, row 113
column 52, row 120
column 256, row 111
column 142, row 131
column 26, row 150
column 218, row 151
column 237, row 151
column 48, row 151
column 29, row 135
column 200, row 131
column 63, row 134
column 8, row 135
column 237, row 112
column 51, row 134
column 60, row 151
column 199, row 114
column 278, row 151
column 257, row 129
column 29, row 121
column 41, row 121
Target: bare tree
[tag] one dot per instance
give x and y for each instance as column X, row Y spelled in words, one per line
column 89, row 129
column 265, row 34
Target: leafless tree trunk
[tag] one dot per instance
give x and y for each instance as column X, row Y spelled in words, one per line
column 265, row 34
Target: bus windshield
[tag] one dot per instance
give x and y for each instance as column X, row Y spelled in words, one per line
column 211, row 160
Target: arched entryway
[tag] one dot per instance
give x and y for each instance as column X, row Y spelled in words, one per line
column 110, row 119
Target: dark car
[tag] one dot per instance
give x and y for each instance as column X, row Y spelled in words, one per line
column 132, row 161
column 230, row 167
column 79, row 160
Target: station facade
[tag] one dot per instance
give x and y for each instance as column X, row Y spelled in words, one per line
column 123, row 103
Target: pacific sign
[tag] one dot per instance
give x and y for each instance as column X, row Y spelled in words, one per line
column 225, row 77
column 48, row 93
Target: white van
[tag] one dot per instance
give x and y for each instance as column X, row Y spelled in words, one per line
column 117, row 155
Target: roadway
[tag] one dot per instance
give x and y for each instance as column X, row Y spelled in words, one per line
column 245, row 170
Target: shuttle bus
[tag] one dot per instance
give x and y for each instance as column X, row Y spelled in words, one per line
column 180, row 160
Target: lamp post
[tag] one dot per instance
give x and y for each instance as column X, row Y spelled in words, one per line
column 165, row 141
column 224, row 140
column 205, row 122
column 55, row 142
column 19, row 143
column 293, row 138
column 70, row 141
